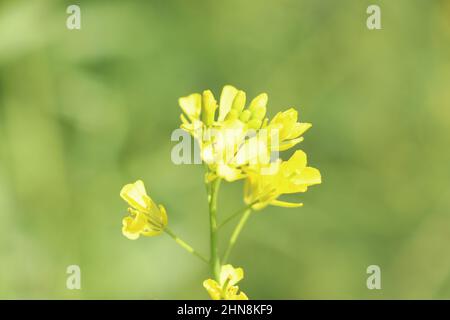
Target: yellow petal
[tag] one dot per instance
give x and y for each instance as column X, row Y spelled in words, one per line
column 156, row 222
column 308, row 176
column 125, row 231
column 285, row 204
column 286, row 145
column 290, row 186
column 136, row 195
column 226, row 101
column 134, row 226
column 231, row 293
column 229, row 173
column 208, row 153
column 209, row 106
column 233, row 275
column 191, row 105
column 296, row 162
column 239, row 101
column 285, row 121
column 151, row 233
column 183, row 119
column 241, row 296
column 291, row 114
column 259, row 102
column 163, row 213
column 253, row 151
column 260, row 205
column 299, row 129
column 213, row 289
column 249, row 197
column 245, row 116
column 254, row 124
column 232, row 115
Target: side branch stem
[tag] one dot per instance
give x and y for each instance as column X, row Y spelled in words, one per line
column 235, row 234
column 184, row 245
column 213, row 192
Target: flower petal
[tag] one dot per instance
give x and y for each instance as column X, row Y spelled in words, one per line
column 308, row 176
column 296, row 162
column 286, row 145
column 213, row 289
column 226, row 101
column 209, row 106
column 136, row 195
column 259, row 104
column 228, row 172
column 191, row 105
column 134, row 226
column 299, row 129
column 233, row 275
column 285, row 204
column 125, row 231
column 241, row 296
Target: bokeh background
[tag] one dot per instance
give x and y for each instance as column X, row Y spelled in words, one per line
column 84, row 112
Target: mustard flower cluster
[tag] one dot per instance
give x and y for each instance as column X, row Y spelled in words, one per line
column 252, row 138
column 236, row 141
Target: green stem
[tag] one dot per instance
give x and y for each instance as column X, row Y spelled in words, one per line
column 234, row 215
column 184, row 245
column 235, row 234
column 214, row 261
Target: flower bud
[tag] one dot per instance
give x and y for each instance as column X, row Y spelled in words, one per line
column 209, row 106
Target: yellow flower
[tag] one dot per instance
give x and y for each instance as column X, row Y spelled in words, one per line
column 200, row 110
column 221, row 136
column 264, row 184
column 289, row 130
column 191, row 106
column 232, row 137
column 146, row 217
column 226, row 289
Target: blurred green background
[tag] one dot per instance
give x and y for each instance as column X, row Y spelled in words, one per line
column 84, row 112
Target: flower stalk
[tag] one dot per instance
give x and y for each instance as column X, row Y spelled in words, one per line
column 236, row 233
column 236, row 142
column 213, row 191
column 185, row 246
column 234, row 215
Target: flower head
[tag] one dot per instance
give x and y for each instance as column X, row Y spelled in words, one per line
column 289, row 130
column 145, row 217
column 264, row 184
column 230, row 134
column 222, row 128
column 226, row 288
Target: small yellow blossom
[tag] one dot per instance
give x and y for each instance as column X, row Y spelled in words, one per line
column 264, row 184
column 146, row 218
column 222, row 129
column 226, row 289
column 233, row 138
column 289, row 130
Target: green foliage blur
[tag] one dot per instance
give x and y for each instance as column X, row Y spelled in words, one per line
column 84, row 112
